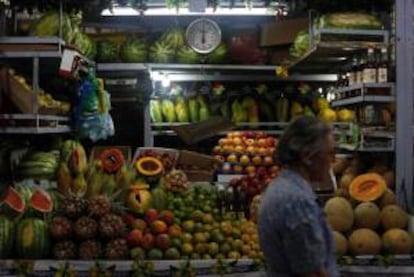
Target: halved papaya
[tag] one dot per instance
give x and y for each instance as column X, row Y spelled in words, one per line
column 112, row 160
column 149, row 166
column 41, row 201
column 367, row 187
column 13, row 203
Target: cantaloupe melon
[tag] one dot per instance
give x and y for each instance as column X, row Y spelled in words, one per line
column 364, row 242
column 339, row 213
column 397, row 241
column 367, row 215
column 367, row 187
column 346, row 180
column 341, row 244
column 393, row 216
column 340, row 165
column 388, row 198
column 389, row 178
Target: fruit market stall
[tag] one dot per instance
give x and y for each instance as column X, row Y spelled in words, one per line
column 75, row 207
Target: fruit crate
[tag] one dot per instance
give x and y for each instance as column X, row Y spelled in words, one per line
column 97, row 151
column 198, row 167
column 21, row 95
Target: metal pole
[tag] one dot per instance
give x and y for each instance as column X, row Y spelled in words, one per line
column 404, row 96
column 35, row 85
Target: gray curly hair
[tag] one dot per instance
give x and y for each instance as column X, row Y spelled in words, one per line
column 305, row 136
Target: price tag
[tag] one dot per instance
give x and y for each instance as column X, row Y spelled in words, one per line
column 70, row 64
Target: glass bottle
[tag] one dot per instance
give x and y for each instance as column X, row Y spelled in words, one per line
column 382, row 68
column 369, row 72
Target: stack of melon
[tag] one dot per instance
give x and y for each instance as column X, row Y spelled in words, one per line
column 368, row 222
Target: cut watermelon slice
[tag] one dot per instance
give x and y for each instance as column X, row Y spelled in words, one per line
column 13, row 203
column 41, row 201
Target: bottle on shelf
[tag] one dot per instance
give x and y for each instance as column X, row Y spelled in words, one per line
column 359, row 70
column 353, row 72
column 382, row 68
column 369, row 73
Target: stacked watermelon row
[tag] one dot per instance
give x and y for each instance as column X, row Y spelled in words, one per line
column 23, row 232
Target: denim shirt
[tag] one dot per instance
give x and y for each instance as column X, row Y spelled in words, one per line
column 294, row 234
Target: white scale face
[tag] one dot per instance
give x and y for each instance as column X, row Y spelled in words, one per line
column 203, row 35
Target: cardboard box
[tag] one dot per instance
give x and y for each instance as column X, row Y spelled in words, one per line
column 282, row 32
column 196, row 161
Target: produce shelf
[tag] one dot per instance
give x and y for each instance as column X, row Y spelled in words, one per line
column 357, row 148
column 332, row 48
column 212, row 72
column 366, row 86
column 33, row 124
column 363, row 99
column 278, row 127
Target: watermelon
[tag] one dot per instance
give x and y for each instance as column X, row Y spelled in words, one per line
column 13, row 204
column 41, row 201
column 6, row 237
column 32, row 239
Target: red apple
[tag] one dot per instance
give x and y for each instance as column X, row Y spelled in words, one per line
column 251, row 150
column 249, row 142
column 274, row 169
column 237, row 141
column 239, row 149
column 135, row 238
column 222, row 141
column 219, row 158
column 151, row 215
column 262, row 151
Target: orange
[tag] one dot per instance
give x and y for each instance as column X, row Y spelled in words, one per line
column 246, row 249
column 246, row 238
column 159, row 227
column 175, row 231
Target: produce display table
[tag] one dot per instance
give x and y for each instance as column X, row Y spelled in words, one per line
column 244, row 268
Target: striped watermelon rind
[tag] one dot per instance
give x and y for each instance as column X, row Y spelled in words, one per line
column 7, row 230
column 13, row 204
column 32, row 239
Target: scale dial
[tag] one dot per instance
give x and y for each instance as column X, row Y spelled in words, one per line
column 203, row 35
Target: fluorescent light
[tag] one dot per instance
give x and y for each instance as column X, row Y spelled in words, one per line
column 165, row 81
column 128, row 11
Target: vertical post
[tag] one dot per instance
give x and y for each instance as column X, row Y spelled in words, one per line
column 404, row 98
column 148, row 137
column 35, row 85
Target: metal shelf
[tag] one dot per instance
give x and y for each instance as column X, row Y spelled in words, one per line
column 362, row 99
column 365, row 86
column 351, row 147
column 329, row 50
column 31, row 47
column 213, row 72
column 38, row 124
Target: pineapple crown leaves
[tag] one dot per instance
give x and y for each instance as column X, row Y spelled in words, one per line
column 142, row 268
column 185, row 269
column 222, row 267
column 65, row 270
column 24, row 268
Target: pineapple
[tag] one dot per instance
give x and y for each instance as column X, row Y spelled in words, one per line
column 74, row 207
column 116, row 249
column 111, row 226
column 60, row 228
column 64, row 250
column 90, row 250
column 99, row 206
column 85, row 228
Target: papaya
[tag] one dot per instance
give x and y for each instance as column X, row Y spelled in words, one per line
column 138, row 199
column 78, row 160
column 155, row 111
column 367, row 187
column 282, row 109
column 250, row 105
column 79, row 185
column 64, row 179
column 193, row 107
column 149, row 166
column 181, row 110
column 168, row 111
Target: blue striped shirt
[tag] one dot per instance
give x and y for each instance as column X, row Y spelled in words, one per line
column 294, row 234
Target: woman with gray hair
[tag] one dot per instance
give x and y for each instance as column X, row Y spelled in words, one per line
column 294, row 235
